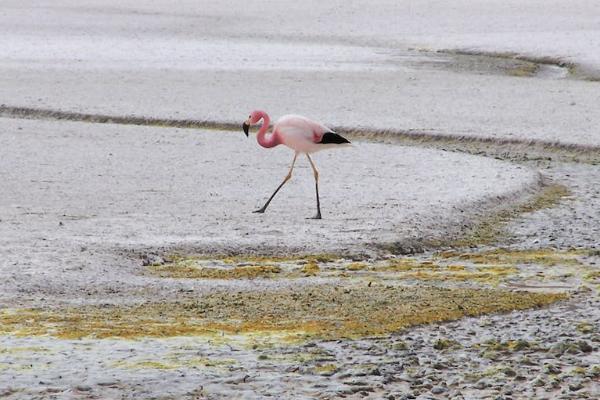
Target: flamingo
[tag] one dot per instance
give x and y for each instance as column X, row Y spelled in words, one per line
column 299, row 134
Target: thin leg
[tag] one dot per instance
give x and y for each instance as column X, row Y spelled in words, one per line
column 318, row 216
column 287, row 178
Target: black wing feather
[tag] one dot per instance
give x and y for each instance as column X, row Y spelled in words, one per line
column 332, row 137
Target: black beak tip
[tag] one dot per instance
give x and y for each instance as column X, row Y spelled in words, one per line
column 245, row 126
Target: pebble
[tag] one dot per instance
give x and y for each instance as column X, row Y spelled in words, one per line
column 585, row 346
column 359, row 389
column 107, row 383
column 438, row 390
column 551, row 369
column 482, row 384
column 575, row 386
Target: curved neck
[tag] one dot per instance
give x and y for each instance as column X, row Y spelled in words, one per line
column 272, row 140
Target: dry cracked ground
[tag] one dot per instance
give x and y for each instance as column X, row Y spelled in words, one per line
column 459, row 254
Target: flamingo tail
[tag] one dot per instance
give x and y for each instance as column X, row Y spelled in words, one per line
column 333, row 138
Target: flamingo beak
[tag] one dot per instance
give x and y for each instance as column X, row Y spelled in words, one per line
column 246, row 126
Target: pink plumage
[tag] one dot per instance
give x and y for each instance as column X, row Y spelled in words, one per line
column 299, row 134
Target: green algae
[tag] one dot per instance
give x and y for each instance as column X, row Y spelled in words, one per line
column 24, row 349
column 489, row 267
column 357, row 266
column 190, row 271
column 326, row 369
column 509, row 257
column 324, row 311
column 592, row 276
column 443, row 344
column 406, row 264
column 507, row 346
column 522, row 70
column 311, row 269
column 488, row 275
column 172, row 362
column 585, row 327
column 491, row 229
column 255, row 258
column 238, row 267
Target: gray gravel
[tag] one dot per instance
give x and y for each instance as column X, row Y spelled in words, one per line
column 575, row 222
column 551, row 353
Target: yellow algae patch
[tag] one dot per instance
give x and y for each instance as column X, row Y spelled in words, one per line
column 408, row 268
column 191, row 271
column 311, row 268
column 548, row 257
column 443, row 344
column 502, row 270
column 173, row 363
column 237, row 267
column 406, row 264
column 254, row 259
column 592, row 275
column 326, row 369
column 26, row 349
column 585, row 327
column 323, row 311
column 549, row 196
column 148, row 364
column 494, row 273
column 491, row 228
column 491, row 275
column 490, row 267
column 356, row 266
column 510, row 345
column 523, row 69
column 300, row 357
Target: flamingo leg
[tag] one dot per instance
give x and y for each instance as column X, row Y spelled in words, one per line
column 318, row 216
column 287, row 178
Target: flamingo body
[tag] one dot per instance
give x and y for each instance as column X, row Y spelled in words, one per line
column 303, row 135
column 299, row 134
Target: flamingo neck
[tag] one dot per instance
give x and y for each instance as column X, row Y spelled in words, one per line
column 266, row 141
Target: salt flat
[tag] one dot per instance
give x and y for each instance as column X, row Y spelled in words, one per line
column 71, row 185
column 351, row 65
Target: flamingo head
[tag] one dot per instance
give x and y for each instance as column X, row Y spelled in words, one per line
column 253, row 118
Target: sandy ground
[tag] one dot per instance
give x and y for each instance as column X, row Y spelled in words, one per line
column 92, row 214
column 75, row 193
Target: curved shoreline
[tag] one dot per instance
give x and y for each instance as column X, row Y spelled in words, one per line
column 466, row 219
column 561, row 151
column 573, row 70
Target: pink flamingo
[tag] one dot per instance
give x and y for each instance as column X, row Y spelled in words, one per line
column 299, row 134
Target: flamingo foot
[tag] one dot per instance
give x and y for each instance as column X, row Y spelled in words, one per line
column 318, row 216
column 261, row 211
